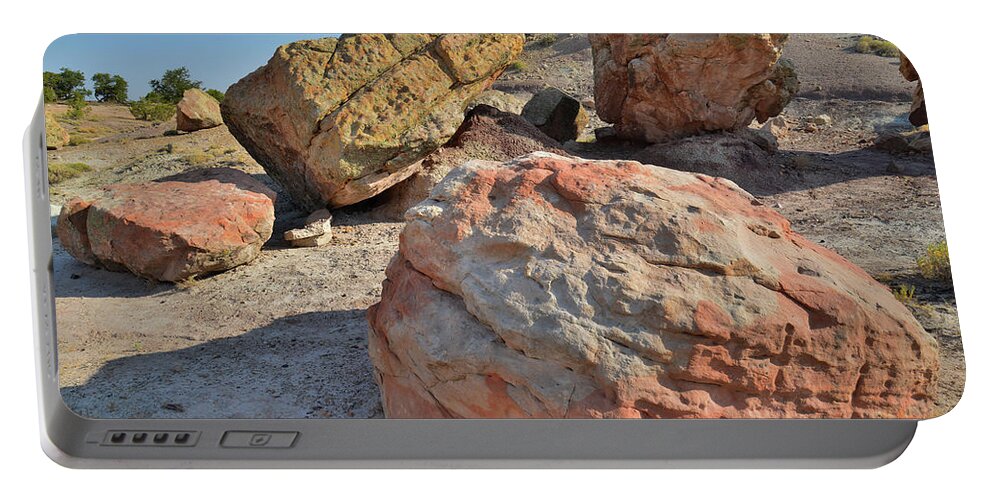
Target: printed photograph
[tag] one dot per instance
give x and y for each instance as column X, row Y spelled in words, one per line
column 497, row 226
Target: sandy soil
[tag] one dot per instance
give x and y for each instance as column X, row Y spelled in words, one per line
column 285, row 336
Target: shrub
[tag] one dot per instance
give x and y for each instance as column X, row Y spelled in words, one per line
column 49, row 95
column 216, row 94
column 517, row 65
column 77, row 140
column 58, row 172
column 78, row 107
column 873, row 45
column 149, row 110
column 934, row 264
column 546, row 39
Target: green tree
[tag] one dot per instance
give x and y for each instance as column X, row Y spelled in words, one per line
column 110, row 88
column 66, row 84
column 49, row 95
column 216, row 94
column 174, row 82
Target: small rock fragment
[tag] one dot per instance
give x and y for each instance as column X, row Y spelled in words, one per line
column 315, row 232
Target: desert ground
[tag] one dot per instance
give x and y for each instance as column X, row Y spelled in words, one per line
column 286, row 335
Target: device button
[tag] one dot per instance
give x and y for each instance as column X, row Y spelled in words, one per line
column 258, row 439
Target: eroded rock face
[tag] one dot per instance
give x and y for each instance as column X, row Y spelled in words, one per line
column 662, row 86
column 918, row 109
column 556, row 287
column 197, row 110
column 337, row 121
column 202, row 222
column 55, row 134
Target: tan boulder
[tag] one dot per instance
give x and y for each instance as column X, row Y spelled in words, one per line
column 918, row 108
column 199, row 223
column 663, row 86
column 336, row 121
column 55, row 134
column 197, row 110
column 555, row 287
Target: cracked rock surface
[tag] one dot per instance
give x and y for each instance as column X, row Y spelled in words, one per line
column 656, row 87
column 199, row 222
column 559, row 287
column 337, row 121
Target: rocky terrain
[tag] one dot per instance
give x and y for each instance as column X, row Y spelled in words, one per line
column 286, row 335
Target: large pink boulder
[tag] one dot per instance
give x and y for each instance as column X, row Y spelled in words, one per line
column 662, row 86
column 556, row 287
column 197, row 223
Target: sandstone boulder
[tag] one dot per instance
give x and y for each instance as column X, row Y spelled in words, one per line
column 316, row 231
column 918, row 109
column 555, row 287
column 55, row 134
column 197, row 110
column 203, row 222
column 336, row 121
column 488, row 134
column 658, row 87
column 557, row 114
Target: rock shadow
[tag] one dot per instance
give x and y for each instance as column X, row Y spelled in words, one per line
column 75, row 279
column 767, row 174
column 310, row 365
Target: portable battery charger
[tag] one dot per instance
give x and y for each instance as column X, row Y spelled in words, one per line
column 486, row 250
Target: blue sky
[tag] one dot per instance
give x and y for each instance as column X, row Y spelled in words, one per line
column 218, row 60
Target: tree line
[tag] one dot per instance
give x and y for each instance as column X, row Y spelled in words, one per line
column 69, row 86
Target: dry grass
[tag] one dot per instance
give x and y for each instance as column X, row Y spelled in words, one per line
column 78, row 139
column 58, row 172
column 905, row 293
column 873, row 45
column 197, row 159
column 517, row 66
column 200, row 158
